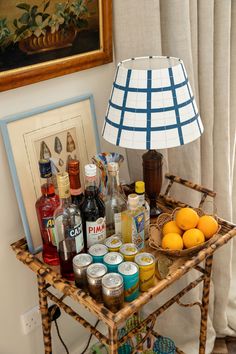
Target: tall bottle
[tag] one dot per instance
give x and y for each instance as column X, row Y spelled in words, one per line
column 45, row 207
column 77, row 195
column 93, row 210
column 133, row 222
column 68, row 227
column 114, row 201
column 140, row 191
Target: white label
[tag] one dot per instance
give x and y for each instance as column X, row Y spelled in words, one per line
column 77, row 234
column 117, row 220
column 96, row 231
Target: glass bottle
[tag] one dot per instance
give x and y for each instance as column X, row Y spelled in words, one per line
column 45, row 207
column 92, row 210
column 77, row 195
column 68, row 227
column 140, row 191
column 133, row 222
column 114, row 201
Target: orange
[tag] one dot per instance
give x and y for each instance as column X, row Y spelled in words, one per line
column 172, row 241
column 186, row 218
column 208, row 225
column 171, row 226
column 193, row 237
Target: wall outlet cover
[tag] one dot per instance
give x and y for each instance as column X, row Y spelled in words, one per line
column 30, row 320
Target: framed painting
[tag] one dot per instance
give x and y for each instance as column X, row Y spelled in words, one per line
column 42, row 39
column 60, row 131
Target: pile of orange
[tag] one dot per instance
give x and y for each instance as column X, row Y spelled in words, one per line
column 188, row 230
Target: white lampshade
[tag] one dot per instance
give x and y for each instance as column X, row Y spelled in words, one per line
column 151, row 105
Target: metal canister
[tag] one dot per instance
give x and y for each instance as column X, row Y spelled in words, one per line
column 113, row 291
column 130, row 274
column 98, row 251
column 80, row 264
column 112, row 260
column 146, row 263
column 95, row 272
column 113, row 243
column 129, row 251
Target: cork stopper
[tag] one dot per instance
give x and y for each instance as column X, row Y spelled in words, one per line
column 133, row 201
column 140, row 187
column 63, row 184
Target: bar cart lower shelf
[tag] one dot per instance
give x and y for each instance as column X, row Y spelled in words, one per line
column 50, row 276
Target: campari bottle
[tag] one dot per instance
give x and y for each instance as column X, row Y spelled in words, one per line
column 93, row 210
column 77, row 195
column 45, row 207
column 68, row 226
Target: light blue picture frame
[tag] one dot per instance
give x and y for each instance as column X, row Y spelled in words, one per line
column 5, row 134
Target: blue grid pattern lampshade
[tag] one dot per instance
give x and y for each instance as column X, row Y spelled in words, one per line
column 151, row 105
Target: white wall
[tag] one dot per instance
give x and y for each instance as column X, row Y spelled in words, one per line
column 18, row 283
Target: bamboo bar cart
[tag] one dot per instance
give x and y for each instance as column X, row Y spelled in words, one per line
column 50, row 277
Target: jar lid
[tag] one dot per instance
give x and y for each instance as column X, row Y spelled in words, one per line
column 140, row 187
column 98, row 250
column 90, row 170
column 82, row 260
column 112, row 280
column 128, row 268
column 96, row 270
column 113, row 258
column 144, row 259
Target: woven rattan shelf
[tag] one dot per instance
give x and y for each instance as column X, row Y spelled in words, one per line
column 50, row 276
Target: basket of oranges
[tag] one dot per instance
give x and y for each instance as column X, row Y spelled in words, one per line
column 184, row 232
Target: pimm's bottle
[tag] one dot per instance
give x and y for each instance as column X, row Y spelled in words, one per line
column 45, row 207
column 68, row 227
column 93, row 210
column 77, row 195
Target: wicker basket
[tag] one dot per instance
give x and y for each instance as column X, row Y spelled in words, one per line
column 156, row 236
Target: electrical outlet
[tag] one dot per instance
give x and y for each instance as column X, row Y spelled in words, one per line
column 30, row 320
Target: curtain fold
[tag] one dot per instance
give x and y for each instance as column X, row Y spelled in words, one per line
column 203, row 34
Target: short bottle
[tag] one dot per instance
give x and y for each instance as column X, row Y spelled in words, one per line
column 140, row 191
column 77, row 195
column 93, row 210
column 45, row 207
column 68, row 225
column 114, row 202
column 133, row 223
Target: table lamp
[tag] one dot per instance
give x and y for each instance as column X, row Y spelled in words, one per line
column 151, row 107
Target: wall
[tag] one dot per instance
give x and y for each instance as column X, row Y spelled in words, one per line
column 18, row 289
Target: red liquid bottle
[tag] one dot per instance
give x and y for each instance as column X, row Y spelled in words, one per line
column 76, row 192
column 45, row 207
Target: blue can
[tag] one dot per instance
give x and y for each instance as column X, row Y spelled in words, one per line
column 130, row 274
column 98, row 251
column 112, row 261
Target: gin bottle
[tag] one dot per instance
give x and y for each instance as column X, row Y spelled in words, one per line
column 114, row 201
column 68, row 227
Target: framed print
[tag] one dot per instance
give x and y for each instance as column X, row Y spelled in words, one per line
column 42, row 39
column 60, row 131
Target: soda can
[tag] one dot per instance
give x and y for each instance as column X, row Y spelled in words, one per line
column 130, row 274
column 95, row 273
column 113, row 243
column 113, row 291
column 98, row 251
column 112, row 261
column 80, row 264
column 146, row 263
column 129, row 251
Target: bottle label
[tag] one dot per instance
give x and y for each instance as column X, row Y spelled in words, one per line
column 77, row 233
column 96, row 231
column 48, row 225
column 138, row 230
column 117, row 220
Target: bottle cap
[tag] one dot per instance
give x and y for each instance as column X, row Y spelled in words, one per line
column 90, row 170
column 73, row 167
column 45, row 168
column 133, row 201
column 63, row 184
column 112, row 167
column 140, row 187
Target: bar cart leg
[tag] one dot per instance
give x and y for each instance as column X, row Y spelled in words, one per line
column 113, row 336
column 205, row 303
column 46, row 321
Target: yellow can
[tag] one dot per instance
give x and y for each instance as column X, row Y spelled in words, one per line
column 129, row 251
column 113, row 243
column 146, row 263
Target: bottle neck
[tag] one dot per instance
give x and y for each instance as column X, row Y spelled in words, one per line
column 64, row 195
column 90, row 185
column 75, row 184
column 113, row 183
column 47, row 186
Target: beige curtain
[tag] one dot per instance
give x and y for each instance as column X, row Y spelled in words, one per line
column 203, row 34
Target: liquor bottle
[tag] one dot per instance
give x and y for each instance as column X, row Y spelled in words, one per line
column 77, row 195
column 68, row 226
column 114, row 202
column 92, row 210
column 133, row 222
column 140, row 191
column 45, row 207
